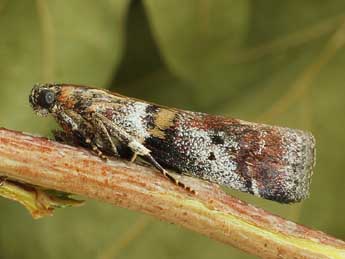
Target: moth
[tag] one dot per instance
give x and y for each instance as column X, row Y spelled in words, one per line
column 271, row 162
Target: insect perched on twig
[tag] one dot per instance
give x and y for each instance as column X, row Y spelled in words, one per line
column 271, row 162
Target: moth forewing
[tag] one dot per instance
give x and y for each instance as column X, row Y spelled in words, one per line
column 271, row 162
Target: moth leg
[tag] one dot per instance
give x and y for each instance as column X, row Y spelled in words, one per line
column 71, row 139
column 100, row 125
column 64, row 137
column 3, row 179
column 71, row 134
column 98, row 152
column 68, row 121
column 113, row 130
column 134, row 157
column 138, row 149
column 80, row 132
column 167, row 175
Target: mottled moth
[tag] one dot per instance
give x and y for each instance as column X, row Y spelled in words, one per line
column 271, row 162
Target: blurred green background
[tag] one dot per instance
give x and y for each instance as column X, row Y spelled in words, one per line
column 276, row 62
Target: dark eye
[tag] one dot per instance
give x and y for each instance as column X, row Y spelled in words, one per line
column 46, row 98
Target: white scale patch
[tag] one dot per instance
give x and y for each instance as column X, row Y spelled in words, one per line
column 298, row 161
column 293, row 142
column 262, row 142
column 133, row 119
column 197, row 145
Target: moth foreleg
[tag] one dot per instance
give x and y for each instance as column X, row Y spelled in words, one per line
column 80, row 132
column 100, row 125
column 63, row 137
column 122, row 136
column 67, row 138
column 138, row 149
column 68, row 121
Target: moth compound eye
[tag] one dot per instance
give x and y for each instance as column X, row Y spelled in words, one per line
column 46, row 99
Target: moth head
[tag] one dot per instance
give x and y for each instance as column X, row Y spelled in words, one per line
column 43, row 98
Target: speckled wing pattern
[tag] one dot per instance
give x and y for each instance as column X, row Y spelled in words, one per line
column 271, row 162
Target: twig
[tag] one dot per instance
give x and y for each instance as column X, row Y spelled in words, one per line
column 211, row 212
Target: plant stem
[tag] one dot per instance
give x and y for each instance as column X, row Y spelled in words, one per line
column 211, row 211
